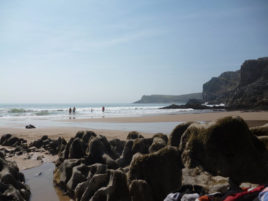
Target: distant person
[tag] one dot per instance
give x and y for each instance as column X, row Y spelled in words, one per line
column 74, row 109
column 103, row 108
column 70, row 111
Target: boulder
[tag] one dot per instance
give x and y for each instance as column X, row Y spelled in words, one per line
column 133, row 135
column 126, row 155
column 264, row 140
column 208, row 182
column 10, row 140
column 79, row 175
column 52, row 146
column 175, row 136
column 76, row 149
column 161, row 135
column 141, row 145
column 30, row 126
column 116, row 190
column 225, row 148
column 63, row 173
column 260, row 130
column 84, row 191
column 158, row 143
column 12, row 182
column 160, row 170
column 139, row 190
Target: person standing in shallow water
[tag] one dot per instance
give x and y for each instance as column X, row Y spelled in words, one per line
column 74, row 110
column 103, row 108
column 70, row 111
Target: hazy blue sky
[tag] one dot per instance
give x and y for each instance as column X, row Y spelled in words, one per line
column 117, row 50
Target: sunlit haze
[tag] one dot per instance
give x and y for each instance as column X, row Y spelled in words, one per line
column 117, row 50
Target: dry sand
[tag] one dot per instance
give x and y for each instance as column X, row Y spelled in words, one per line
column 252, row 118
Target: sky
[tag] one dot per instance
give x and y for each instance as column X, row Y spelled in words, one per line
column 108, row 51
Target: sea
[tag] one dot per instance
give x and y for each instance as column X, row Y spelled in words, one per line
column 49, row 115
column 61, row 111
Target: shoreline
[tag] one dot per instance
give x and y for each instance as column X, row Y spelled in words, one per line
column 54, row 131
column 39, row 160
column 204, row 116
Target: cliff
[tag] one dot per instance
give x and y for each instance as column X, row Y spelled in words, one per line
column 169, row 98
column 252, row 91
column 216, row 90
column 246, row 88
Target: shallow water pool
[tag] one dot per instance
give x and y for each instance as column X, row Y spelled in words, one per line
column 40, row 180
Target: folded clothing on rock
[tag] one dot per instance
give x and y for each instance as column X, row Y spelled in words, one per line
column 247, row 195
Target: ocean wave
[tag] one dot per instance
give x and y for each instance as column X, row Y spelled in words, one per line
column 17, row 110
column 42, row 113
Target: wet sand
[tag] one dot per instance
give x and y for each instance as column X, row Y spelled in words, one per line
column 210, row 116
column 252, row 118
column 65, row 132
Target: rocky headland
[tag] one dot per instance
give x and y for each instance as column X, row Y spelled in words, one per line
column 246, row 88
column 169, row 98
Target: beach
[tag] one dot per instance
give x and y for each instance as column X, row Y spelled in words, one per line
column 36, row 162
column 59, row 128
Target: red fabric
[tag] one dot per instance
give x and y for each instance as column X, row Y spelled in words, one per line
column 236, row 196
column 204, row 198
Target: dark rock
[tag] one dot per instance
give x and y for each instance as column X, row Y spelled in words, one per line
column 158, row 143
column 44, row 137
column 79, row 175
column 30, row 126
column 52, row 146
column 195, row 106
column 96, row 148
column 85, row 135
column 134, row 135
column 260, row 130
column 4, row 138
column 226, row 148
column 243, row 89
column 126, row 155
column 117, row 146
column 87, row 189
column 141, row 145
column 161, row 170
column 216, row 90
column 76, row 150
column 161, row 135
column 63, row 173
column 175, row 136
column 139, row 190
column 116, row 190
column 10, row 140
column 209, row 183
column 264, row 140
column 169, row 98
column 189, row 189
column 12, row 182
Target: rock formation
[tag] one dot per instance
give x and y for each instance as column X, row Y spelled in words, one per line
column 246, row 88
column 252, row 91
column 93, row 168
column 225, row 148
column 12, row 182
column 169, row 98
column 217, row 89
